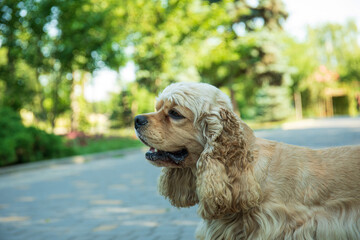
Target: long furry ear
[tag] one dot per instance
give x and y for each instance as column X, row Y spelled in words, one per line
column 179, row 186
column 225, row 180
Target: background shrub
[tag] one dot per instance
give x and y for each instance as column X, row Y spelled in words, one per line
column 273, row 103
column 20, row 144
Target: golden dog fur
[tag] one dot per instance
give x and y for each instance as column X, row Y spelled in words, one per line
column 247, row 187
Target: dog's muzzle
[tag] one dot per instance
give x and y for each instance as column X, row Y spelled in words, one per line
column 157, row 155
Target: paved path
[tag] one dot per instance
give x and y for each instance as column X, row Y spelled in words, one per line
column 116, row 198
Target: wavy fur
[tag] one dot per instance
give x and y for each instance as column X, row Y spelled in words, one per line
column 247, row 187
column 225, row 180
column 185, row 194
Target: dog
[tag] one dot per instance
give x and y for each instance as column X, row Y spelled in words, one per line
column 247, row 187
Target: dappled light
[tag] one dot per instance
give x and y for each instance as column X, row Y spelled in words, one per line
column 13, row 219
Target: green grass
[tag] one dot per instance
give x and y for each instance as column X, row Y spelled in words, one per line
column 106, row 144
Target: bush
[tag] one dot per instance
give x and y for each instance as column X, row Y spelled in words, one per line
column 20, row 144
column 10, row 124
column 48, row 145
column 273, row 103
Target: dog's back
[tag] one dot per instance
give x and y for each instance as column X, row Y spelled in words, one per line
column 315, row 192
column 316, row 175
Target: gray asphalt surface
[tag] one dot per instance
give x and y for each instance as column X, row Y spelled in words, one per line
column 116, row 197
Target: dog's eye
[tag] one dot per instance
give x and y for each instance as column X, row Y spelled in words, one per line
column 175, row 115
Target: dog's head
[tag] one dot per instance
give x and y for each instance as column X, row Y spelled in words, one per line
column 204, row 149
column 175, row 132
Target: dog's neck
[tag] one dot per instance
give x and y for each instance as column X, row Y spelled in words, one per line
column 248, row 134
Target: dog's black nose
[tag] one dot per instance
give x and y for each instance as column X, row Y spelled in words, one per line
column 140, row 120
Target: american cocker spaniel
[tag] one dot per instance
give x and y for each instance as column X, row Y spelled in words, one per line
column 247, row 187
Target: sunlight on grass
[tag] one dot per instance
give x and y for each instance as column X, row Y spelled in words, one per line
column 106, row 144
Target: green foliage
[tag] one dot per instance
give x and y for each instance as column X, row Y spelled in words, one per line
column 341, row 105
column 106, row 144
column 301, row 60
column 142, row 100
column 9, row 123
column 333, row 47
column 48, row 46
column 121, row 115
column 224, row 43
column 42, row 44
column 131, row 101
column 350, row 71
column 15, row 36
column 334, row 43
column 19, row 144
column 168, row 38
column 273, row 103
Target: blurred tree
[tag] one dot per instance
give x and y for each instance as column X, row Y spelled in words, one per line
column 269, row 98
column 167, row 37
column 252, row 53
column 268, row 13
column 51, row 40
column 300, row 56
column 36, row 19
column 220, row 42
column 19, row 144
column 16, row 32
column 121, row 115
column 334, row 43
column 84, row 42
column 336, row 47
column 350, row 77
column 48, row 47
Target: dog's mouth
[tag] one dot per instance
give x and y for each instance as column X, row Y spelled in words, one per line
column 158, row 155
column 155, row 155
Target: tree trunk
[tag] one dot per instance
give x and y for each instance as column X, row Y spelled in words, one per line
column 73, row 104
column 298, row 105
column 10, row 77
column 42, row 113
column 234, row 102
column 329, row 106
column 55, row 101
